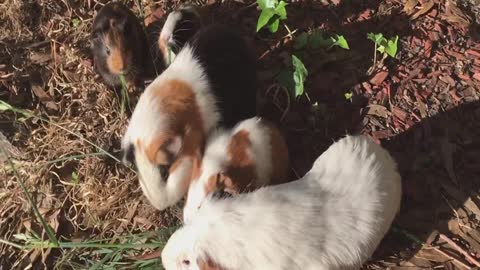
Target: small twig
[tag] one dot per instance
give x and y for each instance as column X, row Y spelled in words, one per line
column 374, row 59
column 277, row 44
column 459, row 249
column 277, row 88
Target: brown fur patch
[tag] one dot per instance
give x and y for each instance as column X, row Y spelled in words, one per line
column 241, row 172
column 280, row 159
column 177, row 100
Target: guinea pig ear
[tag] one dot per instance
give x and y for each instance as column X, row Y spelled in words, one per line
column 167, row 151
column 118, row 23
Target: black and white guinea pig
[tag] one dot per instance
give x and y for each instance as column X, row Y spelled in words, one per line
column 179, row 28
column 212, row 82
column 119, row 45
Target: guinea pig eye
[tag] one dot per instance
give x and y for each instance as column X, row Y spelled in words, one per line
column 221, row 194
column 163, row 169
column 107, row 50
column 186, row 262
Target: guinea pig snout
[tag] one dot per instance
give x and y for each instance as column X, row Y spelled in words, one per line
column 116, row 62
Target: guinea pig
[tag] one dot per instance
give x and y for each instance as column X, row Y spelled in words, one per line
column 181, row 25
column 119, row 46
column 212, row 82
column 251, row 155
column 332, row 218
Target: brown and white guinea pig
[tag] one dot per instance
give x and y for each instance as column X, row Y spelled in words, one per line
column 179, row 28
column 332, row 218
column 251, row 155
column 212, row 82
column 119, row 45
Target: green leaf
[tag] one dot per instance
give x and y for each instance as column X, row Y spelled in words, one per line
column 392, row 47
column 377, row 38
column 5, row 106
column 348, row 96
column 273, row 27
column 264, row 17
column 22, row 236
column 299, row 75
column 76, row 22
column 340, row 41
column 317, row 40
column 281, row 11
column 75, row 178
column 301, row 41
column 267, row 3
column 381, row 48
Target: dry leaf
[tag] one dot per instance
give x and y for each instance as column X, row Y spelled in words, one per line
column 378, row 110
column 422, row 108
column 454, row 15
column 424, row 9
column 409, row 6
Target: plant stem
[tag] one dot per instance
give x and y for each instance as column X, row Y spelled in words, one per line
column 375, row 57
column 15, row 245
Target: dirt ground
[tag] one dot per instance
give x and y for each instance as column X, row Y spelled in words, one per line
column 423, row 106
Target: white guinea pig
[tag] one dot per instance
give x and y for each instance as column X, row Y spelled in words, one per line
column 332, row 218
column 250, row 155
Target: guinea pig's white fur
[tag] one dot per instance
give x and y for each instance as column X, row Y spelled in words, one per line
column 332, row 218
column 148, row 122
column 264, row 158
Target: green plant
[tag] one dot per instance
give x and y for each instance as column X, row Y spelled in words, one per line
column 319, row 39
column 349, row 96
column 294, row 80
column 387, row 47
column 300, row 73
column 76, row 22
column 273, row 11
column 125, row 101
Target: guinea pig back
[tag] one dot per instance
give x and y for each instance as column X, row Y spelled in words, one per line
column 332, row 218
column 230, row 67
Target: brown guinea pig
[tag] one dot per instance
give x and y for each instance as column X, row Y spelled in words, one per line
column 119, row 45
